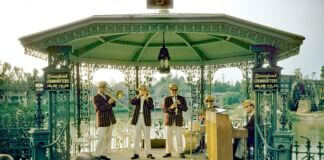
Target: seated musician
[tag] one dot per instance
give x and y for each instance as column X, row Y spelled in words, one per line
column 238, row 147
column 209, row 102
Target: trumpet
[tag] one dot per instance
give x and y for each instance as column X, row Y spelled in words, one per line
column 116, row 95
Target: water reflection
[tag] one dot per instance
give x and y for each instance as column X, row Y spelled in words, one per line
column 313, row 129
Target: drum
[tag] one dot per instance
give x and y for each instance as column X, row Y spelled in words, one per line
column 188, row 138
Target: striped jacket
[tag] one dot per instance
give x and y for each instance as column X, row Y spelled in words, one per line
column 170, row 115
column 147, row 107
column 104, row 113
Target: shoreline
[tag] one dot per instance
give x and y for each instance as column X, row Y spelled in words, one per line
column 311, row 116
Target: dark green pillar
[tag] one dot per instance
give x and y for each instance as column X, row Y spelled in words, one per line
column 136, row 77
column 39, row 138
column 78, row 91
column 202, row 87
column 283, row 140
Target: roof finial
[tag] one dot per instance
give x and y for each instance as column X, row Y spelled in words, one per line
column 163, row 5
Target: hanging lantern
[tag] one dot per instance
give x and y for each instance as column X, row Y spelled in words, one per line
column 164, row 59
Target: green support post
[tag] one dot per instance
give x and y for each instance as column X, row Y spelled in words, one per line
column 202, row 87
column 283, row 140
column 256, row 122
column 39, row 138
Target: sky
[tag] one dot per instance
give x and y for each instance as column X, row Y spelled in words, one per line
column 304, row 17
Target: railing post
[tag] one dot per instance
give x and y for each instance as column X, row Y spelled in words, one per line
column 39, row 138
column 320, row 147
column 283, row 140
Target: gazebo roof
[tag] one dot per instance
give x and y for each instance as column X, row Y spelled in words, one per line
column 135, row 39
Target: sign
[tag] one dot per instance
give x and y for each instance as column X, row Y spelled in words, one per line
column 265, row 80
column 39, row 87
column 57, row 80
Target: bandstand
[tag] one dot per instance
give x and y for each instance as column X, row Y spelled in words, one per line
column 198, row 45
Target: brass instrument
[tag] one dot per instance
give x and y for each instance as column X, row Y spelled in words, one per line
column 116, row 95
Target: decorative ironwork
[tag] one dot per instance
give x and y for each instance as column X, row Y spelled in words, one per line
column 193, row 80
column 309, row 153
column 208, row 79
column 58, row 123
column 86, row 77
column 14, row 139
column 59, row 104
column 266, row 101
column 285, row 87
column 130, row 79
column 246, row 70
column 146, row 75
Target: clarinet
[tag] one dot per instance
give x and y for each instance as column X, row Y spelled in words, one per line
column 176, row 110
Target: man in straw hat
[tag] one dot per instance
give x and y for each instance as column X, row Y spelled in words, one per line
column 209, row 102
column 142, row 121
column 173, row 106
column 105, row 118
column 238, row 147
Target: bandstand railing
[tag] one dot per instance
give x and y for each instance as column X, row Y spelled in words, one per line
column 307, row 151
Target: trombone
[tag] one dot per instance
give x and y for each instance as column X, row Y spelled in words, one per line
column 116, row 95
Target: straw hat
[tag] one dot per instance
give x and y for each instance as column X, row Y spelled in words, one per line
column 142, row 87
column 173, row 86
column 102, row 84
column 209, row 98
column 248, row 102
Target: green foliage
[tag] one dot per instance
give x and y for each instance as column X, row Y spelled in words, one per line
column 232, row 94
column 220, row 87
column 161, row 89
column 15, row 85
column 232, row 98
column 292, row 116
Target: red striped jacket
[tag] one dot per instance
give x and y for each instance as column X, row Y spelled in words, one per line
column 147, row 107
column 104, row 113
column 170, row 115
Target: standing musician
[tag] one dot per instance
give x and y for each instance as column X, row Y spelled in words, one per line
column 105, row 118
column 142, row 121
column 173, row 106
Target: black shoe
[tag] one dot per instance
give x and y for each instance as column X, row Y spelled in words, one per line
column 181, row 155
column 102, row 158
column 167, row 155
column 150, row 156
column 235, row 158
column 135, row 156
column 196, row 150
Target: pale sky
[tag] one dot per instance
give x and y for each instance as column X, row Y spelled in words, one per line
column 304, row 17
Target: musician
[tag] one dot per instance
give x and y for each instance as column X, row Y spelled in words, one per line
column 238, row 147
column 142, row 121
column 209, row 102
column 105, row 119
column 173, row 106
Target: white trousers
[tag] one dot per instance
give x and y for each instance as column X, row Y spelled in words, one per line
column 138, row 128
column 240, row 149
column 170, row 130
column 104, row 141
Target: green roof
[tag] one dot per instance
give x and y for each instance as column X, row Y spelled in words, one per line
column 135, row 39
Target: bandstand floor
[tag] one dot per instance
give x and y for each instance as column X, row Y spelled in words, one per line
column 157, row 153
